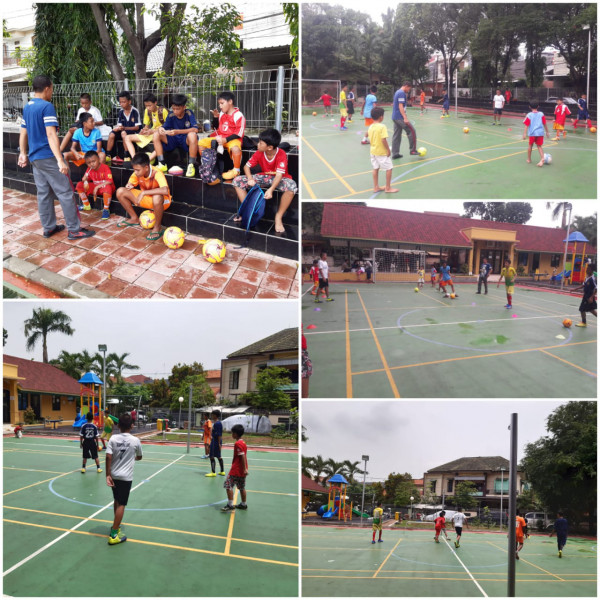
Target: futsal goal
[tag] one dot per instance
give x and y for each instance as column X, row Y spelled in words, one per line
column 315, row 88
column 397, row 265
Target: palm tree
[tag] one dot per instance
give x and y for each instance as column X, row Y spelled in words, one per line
column 351, row 469
column 115, row 365
column 68, row 363
column 307, row 465
column 333, row 467
column 89, row 362
column 43, row 322
column 318, row 467
column 559, row 207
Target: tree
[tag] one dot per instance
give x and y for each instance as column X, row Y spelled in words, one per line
column 306, row 466
column 351, row 469
column 69, row 363
column 559, row 208
column 527, row 501
column 333, row 467
column 562, row 466
column 43, row 322
column 318, row 467
column 90, row 362
column 116, row 364
column 159, row 392
column 269, row 395
column 464, row 494
column 4, row 336
column 505, row 212
column 588, row 226
column 312, row 215
column 202, row 394
column 291, row 14
column 397, row 489
column 180, row 372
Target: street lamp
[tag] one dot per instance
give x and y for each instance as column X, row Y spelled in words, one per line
column 180, row 403
column 362, row 509
column 411, row 501
column 501, row 496
column 589, row 30
column 102, row 348
column 568, row 207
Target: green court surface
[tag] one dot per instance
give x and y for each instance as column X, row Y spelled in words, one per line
column 488, row 162
column 385, row 341
column 57, row 521
column 344, row 562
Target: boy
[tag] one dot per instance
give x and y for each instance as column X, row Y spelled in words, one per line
column 128, row 122
column 378, row 521
column 588, row 302
column 484, row 273
column 561, row 528
column 446, row 279
column 343, row 108
column 458, row 519
column 109, row 423
column 273, row 162
column 350, row 103
column 582, row 112
column 102, row 183
column 498, row 106
column 440, row 525
column 520, row 524
column 88, row 442
column 230, row 125
column 180, row 130
column 445, row 99
column 86, row 138
column 433, row 274
column 422, row 101
column 154, row 118
column 122, row 452
column 380, row 151
column 421, row 275
column 560, row 119
column 215, row 443
column 314, row 275
column 365, row 111
column 323, row 278
column 238, row 472
column 86, row 106
column 401, row 122
column 207, row 429
column 326, row 98
column 153, row 195
column 50, row 171
column 509, row 275
column 535, row 124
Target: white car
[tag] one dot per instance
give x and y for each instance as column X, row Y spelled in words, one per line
column 448, row 516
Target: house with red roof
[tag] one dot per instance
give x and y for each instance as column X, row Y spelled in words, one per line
column 351, row 232
column 139, row 380
column 48, row 391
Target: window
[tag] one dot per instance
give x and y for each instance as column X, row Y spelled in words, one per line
column 449, row 487
column 554, row 260
column 500, row 487
column 23, row 400
column 234, row 379
column 55, row 402
column 432, row 485
column 523, row 259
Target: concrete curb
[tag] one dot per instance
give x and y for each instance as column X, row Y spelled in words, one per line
column 57, row 283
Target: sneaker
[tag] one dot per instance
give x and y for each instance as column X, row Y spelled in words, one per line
column 380, row 541
column 478, row 292
column 455, row 295
column 231, row 174
column 396, row 156
column 313, row 293
column 205, row 456
column 222, row 473
column 105, row 214
column 57, row 229
column 343, row 129
column 83, row 470
column 118, row 539
column 517, row 556
column 227, row 508
column 82, row 233
column 456, row 544
column 560, row 554
column 493, row 123
column 162, row 167
column 108, row 159
column 86, row 207
column 241, row 506
column 581, row 325
column 153, row 160
column 210, row 475
column 414, row 153
column 373, row 542
column 191, row 171
column 508, row 306
column 118, row 160
column 330, row 299
column 127, row 159
column 365, row 142
column 318, row 301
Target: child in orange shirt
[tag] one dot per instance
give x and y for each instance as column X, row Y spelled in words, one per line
column 560, row 118
column 314, row 274
column 100, row 176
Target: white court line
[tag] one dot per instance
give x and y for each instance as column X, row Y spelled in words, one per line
column 78, row 525
column 465, row 568
column 439, row 324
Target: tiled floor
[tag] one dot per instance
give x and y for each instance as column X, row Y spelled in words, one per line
column 123, row 264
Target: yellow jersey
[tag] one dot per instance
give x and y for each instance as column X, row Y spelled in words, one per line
column 377, row 133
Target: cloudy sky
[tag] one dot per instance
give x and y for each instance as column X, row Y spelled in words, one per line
column 157, row 334
column 401, row 436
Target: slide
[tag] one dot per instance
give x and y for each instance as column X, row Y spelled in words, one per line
column 359, row 514
column 331, row 513
column 81, row 420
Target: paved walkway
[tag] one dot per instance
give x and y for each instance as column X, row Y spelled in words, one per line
column 121, row 263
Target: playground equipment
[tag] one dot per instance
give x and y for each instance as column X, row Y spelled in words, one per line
column 578, row 263
column 90, row 386
column 336, row 503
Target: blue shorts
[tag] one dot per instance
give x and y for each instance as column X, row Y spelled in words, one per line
column 176, row 141
column 446, row 106
column 214, row 451
column 583, row 114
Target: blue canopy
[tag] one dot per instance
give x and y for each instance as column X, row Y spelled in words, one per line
column 337, row 478
column 91, row 378
column 577, row 236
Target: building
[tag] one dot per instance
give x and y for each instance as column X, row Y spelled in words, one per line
column 47, row 390
column 20, row 23
column 138, row 380
column 488, row 473
column 351, row 232
column 213, row 378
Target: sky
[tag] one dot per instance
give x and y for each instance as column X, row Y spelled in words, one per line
column 413, row 437
column 541, row 216
column 157, row 334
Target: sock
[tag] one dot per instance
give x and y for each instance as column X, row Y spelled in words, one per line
column 212, row 464
column 509, row 296
column 575, row 123
column 160, row 159
column 342, row 121
column 221, row 464
column 83, row 197
column 106, row 199
column 230, row 502
column 373, row 536
column 589, row 123
column 192, row 160
column 237, row 160
column 113, row 532
column 83, row 466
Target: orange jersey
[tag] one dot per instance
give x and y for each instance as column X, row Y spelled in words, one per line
column 207, row 431
column 520, row 524
column 422, row 97
column 155, row 180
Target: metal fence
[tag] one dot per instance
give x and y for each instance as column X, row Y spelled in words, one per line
column 525, row 94
column 256, row 95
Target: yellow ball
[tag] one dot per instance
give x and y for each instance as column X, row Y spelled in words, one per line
column 214, row 250
column 315, row 114
column 173, row 238
column 567, row 323
column 592, row 129
column 147, row 219
column 466, row 129
column 416, row 289
column 422, row 151
column 452, row 296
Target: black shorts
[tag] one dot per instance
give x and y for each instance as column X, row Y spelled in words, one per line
column 588, row 306
column 497, row 111
column 214, row 450
column 323, row 283
column 90, row 449
column 458, row 530
column 121, row 491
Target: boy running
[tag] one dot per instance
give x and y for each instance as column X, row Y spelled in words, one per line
column 446, row 279
column 440, row 525
column 535, row 124
column 365, row 111
column 109, row 423
column 561, row 528
column 378, row 522
column 88, row 442
column 216, row 442
column 458, row 519
column 520, row 524
column 588, row 302
column 238, row 472
column 560, row 119
column 582, row 112
column 509, row 275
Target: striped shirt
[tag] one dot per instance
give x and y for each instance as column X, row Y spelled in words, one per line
column 37, row 115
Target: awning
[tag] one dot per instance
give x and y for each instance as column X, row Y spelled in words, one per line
column 282, row 362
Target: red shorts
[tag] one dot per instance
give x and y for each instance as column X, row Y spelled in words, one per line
column 109, row 188
column 368, row 121
column 538, row 140
column 519, row 539
column 445, row 283
column 438, row 530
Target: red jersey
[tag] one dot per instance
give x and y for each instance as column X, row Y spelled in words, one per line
column 103, row 173
column 326, row 99
column 233, row 124
column 238, row 465
column 314, row 273
column 440, row 523
column 560, row 114
column 304, row 344
column 277, row 164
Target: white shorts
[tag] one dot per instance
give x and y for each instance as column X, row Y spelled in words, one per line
column 381, row 162
column 421, row 280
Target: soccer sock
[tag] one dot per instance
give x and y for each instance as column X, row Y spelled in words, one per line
column 342, row 121
column 106, row 199
column 589, row 123
column 230, row 502
column 160, row 159
column 212, row 464
column 191, row 160
column 221, row 464
column 575, row 123
column 83, row 197
column 113, row 532
column 237, row 160
column 509, row 297
column 373, row 536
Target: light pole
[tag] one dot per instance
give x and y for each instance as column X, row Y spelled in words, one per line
column 102, row 348
column 189, row 420
column 501, row 496
column 180, row 403
column 587, row 90
column 362, row 508
column 411, row 501
column 568, row 207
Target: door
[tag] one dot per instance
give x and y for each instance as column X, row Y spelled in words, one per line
column 34, row 403
column 6, row 407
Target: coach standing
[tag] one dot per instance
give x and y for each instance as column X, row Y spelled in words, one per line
column 50, row 171
column 484, row 273
column 401, row 122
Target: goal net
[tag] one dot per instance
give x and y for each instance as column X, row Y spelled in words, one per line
column 397, row 265
column 315, row 88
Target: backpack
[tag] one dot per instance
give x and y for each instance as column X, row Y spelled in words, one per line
column 252, row 208
column 207, row 170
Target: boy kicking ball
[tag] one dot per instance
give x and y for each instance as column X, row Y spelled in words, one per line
column 535, row 124
column 440, row 525
column 238, row 472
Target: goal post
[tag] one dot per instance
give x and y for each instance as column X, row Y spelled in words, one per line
column 397, row 265
column 314, row 88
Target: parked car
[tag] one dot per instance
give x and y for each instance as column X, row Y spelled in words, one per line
column 142, row 417
column 160, row 414
column 565, row 99
column 533, row 519
column 449, row 514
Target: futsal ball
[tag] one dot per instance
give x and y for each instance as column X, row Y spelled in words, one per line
column 206, row 126
column 592, row 130
column 422, row 151
column 416, row 289
column 314, row 114
column 173, row 238
column 465, row 129
column 214, row 250
column 148, row 219
column 567, row 323
column 452, row 296
column 547, row 159
column 446, row 295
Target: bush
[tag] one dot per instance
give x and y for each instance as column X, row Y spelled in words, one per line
column 521, row 270
column 29, row 416
column 464, row 268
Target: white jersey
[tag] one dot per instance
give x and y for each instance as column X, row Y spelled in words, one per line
column 324, row 269
column 499, row 101
column 458, row 519
column 93, row 111
column 124, row 448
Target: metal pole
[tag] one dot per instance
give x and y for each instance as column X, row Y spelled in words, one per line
column 362, row 507
column 588, row 65
column 512, row 505
column 501, row 498
column 569, row 207
column 279, row 97
column 189, row 420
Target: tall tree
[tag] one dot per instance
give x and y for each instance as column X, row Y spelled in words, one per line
column 464, row 494
column 505, row 212
column 117, row 363
column 69, row 363
column 159, row 391
column 43, row 322
column 333, row 467
column 351, row 468
column 269, row 394
column 588, row 226
column 559, row 209
column 318, row 467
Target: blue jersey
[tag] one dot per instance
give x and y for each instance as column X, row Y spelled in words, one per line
column 89, row 432
column 133, row 120
column 89, row 142
column 535, row 121
column 583, row 111
column 370, row 101
column 217, row 433
column 37, row 115
column 399, row 98
column 445, row 271
column 446, row 103
column 188, row 121
column 561, row 527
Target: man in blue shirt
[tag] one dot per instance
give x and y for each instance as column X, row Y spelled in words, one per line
column 484, row 272
column 401, row 122
column 50, row 171
column 561, row 528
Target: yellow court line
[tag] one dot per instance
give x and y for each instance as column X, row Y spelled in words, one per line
column 348, row 355
column 437, row 362
column 35, row 470
column 503, row 580
column 38, row 483
column 339, row 177
column 386, row 558
column 569, row 363
column 230, row 528
column 454, row 152
column 380, row 349
column 308, row 186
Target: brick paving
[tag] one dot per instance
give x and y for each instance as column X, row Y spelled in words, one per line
column 123, row 264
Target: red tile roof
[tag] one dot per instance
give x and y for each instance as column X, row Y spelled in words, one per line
column 213, row 374
column 342, row 220
column 309, row 485
column 138, row 379
column 41, row 377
